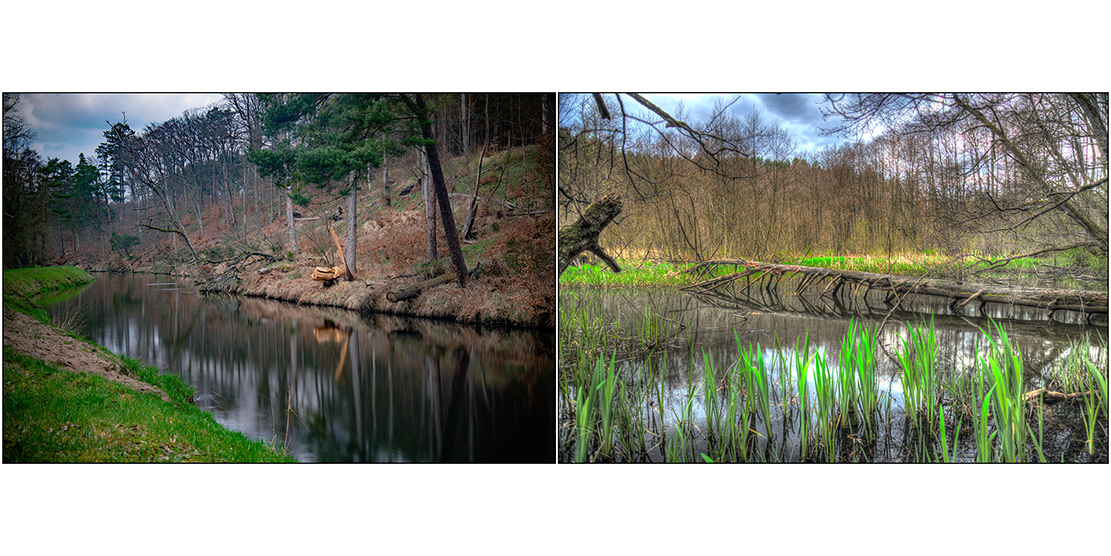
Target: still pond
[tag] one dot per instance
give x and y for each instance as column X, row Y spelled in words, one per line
column 672, row 377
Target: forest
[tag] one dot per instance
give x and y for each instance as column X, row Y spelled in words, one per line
column 207, row 183
column 972, row 177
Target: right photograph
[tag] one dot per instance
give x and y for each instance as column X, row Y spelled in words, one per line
column 832, row 278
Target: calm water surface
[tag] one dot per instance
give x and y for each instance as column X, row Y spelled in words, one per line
column 329, row 385
column 715, row 324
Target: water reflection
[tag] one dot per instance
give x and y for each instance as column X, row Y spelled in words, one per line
column 716, row 324
column 329, row 385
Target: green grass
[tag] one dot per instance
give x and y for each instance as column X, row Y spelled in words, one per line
column 57, row 415
column 632, row 275
column 640, row 273
column 23, row 285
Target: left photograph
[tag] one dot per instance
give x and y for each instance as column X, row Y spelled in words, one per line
column 241, row 277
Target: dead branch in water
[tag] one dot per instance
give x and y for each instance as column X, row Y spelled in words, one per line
column 1050, row 397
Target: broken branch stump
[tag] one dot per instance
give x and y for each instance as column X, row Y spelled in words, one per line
column 583, row 234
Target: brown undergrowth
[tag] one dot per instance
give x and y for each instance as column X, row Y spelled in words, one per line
column 513, row 241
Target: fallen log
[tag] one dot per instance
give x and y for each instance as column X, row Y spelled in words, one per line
column 401, row 294
column 1082, row 301
column 1050, row 397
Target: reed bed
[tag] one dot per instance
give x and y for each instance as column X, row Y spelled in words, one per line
column 795, row 403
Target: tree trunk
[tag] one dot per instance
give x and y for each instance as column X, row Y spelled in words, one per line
column 289, row 221
column 467, row 231
column 401, row 294
column 385, row 182
column 450, row 234
column 583, row 234
column 352, row 229
column 961, row 294
column 429, row 206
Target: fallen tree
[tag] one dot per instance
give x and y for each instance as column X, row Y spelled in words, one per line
column 228, row 280
column 769, row 275
column 329, row 275
column 401, row 294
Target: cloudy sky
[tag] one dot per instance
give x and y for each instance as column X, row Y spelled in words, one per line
column 797, row 113
column 70, row 124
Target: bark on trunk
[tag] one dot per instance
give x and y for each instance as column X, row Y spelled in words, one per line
column 448, row 219
column 583, row 234
column 352, row 230
column 429, row 207
column 289, row 221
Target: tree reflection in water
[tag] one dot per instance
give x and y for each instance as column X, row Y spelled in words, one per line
column 330, row 385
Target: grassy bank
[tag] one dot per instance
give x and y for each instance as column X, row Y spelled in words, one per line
column 55, row 414
column 22, row 285
column 641, row 273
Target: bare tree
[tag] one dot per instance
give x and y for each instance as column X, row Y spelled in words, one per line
column 1047, row 137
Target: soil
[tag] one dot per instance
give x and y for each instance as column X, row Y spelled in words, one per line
column 35, row 339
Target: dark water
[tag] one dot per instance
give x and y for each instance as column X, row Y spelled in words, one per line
column 715, row 324
column 329, row 385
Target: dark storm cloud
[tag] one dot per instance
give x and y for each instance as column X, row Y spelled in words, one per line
column 798, row 113
column 792, row 107
column 70, row 124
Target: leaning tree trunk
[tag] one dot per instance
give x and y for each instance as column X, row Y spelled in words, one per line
column 448, row 219
column 583, row 234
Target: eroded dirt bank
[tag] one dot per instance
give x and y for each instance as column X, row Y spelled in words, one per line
column 35, row 339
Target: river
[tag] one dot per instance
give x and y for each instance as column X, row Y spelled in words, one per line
column 330, row 385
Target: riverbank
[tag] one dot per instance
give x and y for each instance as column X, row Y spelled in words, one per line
column 512, row 242
column 69, row 400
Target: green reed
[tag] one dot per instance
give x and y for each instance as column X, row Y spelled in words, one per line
column 710, row 393
column 802, row 368
column 826, row 405
column 757, row 381
column 681, row 448
column 606, row 408
column 1093, row 401
column 946, row 455
column 655, row 331
column 585, row 400
column 981, row 424
column 857, row 381
column 1002, row 368
column 918, row 361
column 733, row 438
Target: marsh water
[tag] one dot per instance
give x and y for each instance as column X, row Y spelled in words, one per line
column 329, row 385
column 710, row 327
